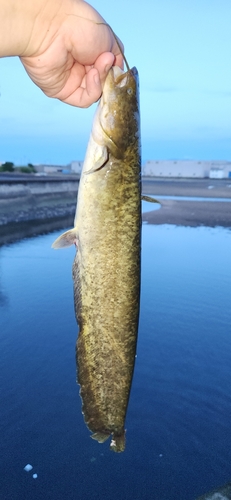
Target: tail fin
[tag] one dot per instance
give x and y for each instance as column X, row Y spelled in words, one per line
column 118, row 443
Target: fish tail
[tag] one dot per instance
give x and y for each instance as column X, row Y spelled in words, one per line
column 118, row 442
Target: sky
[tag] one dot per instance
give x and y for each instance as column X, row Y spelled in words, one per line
column 181, row 49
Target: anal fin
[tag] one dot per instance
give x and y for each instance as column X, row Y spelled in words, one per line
column 101, row 437
column 149, row 198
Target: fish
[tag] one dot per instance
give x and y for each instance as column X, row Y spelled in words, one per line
column 106, row 267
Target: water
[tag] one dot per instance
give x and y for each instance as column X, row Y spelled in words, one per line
column 178, row 422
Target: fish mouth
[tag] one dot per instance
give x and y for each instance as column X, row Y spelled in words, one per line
column 121, row 77
column 116, row 78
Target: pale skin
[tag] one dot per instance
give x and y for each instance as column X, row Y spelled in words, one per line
column 62, row 45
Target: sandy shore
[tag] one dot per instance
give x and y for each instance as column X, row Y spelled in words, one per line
column 191, row 213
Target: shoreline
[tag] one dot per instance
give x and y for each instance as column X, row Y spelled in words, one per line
column 190, row 213
column 37, row 213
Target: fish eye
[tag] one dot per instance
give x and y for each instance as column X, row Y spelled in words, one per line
column 130, row 91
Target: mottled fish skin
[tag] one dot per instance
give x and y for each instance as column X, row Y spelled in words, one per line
column 106, row 268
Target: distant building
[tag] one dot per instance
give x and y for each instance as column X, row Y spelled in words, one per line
column 76, row 166
column 51, row 169
column 220, row 170
column 216, row 173
column 187, row 169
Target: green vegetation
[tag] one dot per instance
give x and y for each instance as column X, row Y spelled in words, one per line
column 28, row 170
column 9, row 166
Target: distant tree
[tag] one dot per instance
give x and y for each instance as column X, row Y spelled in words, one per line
column 8, row 166
column 31, row 166
column 24, row 170
column 27, row 170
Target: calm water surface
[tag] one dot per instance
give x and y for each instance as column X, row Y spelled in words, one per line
column 178, row 422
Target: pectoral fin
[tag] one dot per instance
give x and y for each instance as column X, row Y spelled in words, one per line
column 99, row 162
column 149, row 198
column 66, row 239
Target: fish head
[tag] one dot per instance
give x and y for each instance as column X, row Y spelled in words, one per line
column 117, row 123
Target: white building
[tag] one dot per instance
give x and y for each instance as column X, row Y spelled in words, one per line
column 51, row 169
column 187, row 169
column 76, row 166
column 220, row 170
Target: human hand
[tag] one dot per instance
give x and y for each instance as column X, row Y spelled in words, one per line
column 69, row 59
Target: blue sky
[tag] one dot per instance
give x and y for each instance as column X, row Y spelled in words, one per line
column 182, row 52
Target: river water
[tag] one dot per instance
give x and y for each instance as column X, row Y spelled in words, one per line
column 178, row 422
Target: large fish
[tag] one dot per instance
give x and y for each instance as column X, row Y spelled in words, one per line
column 106, row 268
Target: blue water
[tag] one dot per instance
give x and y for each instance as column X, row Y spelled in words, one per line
column 178, row 423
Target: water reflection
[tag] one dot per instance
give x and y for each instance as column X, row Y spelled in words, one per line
column 12, row 232
column 178, row 425
column 147, row 206
column 190, row 198
column 3, row 297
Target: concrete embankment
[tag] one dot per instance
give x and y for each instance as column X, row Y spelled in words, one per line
column 31, row 198
column 28, row 198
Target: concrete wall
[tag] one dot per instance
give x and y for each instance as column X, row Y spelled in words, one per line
column 19, row 189
column 37, row 199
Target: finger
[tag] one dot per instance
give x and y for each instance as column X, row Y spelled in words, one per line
column 89, row 92
column 103, row 63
